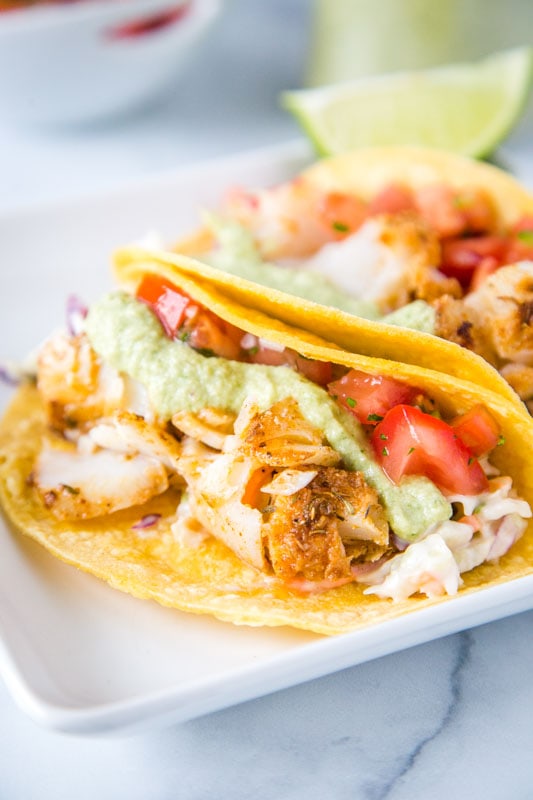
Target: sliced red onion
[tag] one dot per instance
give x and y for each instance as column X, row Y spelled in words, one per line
column 248, row 341
column 399, row 544
column 76, row 313
column 360, row 571
column 146, row 522
column 9, row 377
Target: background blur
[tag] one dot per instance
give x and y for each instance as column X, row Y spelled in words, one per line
column 222, row 96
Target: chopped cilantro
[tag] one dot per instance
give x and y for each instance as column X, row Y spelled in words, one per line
column 411, row 450
column 385, row 452
column 383, row 436
column 501, row 441
column 374, row 418
column 525, row 236
column 70, row 489
column 351, row 402
column 342, row 227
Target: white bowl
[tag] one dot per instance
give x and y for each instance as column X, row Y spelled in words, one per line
column 70, row 63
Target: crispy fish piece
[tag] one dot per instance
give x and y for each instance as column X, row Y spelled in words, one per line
column 76, row 485
column 309, row 534
column 282, row 437
column 210, row 425
column 391, row 260
column 495, row 321
column 74, row 383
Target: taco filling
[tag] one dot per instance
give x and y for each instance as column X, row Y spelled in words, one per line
column 430, row 255
column 313, row 473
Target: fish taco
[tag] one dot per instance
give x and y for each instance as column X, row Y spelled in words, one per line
column 385, row 237
column 195, row 452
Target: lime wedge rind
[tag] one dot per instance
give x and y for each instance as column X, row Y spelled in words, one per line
column 466, row 108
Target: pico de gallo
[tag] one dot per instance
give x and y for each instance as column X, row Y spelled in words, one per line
column 405, row 429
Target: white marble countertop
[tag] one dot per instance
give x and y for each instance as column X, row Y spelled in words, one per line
column 451, row 718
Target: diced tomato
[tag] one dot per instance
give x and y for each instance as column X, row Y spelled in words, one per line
column 270, row 356
column 341, row 214
column 477, row 429
column 437, row 205
column 451, row 212
column 461, row 257
column 521, row 241
column 168, row 303
column 392, row 199
column 178, row 315
column 214, row 336
column 410, row 442
column 369, row 397
column 320, row 372
column 524, row 225
column 477, row 209
column 485, row 268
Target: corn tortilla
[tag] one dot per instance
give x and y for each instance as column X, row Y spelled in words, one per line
column 209, row 578
column 364, row 172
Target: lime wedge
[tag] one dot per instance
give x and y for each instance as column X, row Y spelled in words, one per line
column 465, row 108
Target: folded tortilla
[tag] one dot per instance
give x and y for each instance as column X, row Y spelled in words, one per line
column 363, row 173
column 208, row 577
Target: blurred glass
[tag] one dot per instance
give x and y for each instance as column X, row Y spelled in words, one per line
column 353, row 38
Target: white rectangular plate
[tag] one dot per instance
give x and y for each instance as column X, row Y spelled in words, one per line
column 79, row 656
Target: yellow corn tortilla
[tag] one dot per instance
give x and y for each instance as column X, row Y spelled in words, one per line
column 209, row 578
column 364, row 172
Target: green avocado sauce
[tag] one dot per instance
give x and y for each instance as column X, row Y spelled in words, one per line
column 237, row 254
column 418, row 316
column 127, row 335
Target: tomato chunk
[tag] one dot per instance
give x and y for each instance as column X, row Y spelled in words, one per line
column 341, row 214
column 166, row 301
column 320, row 372
column 462, row 257
column 392, row 199
column 410, row 442
column 437, row 205
column 477, row 429
column 369, row 397
column 452, row 212
column 213, row 336
column 521, row 241
column 262, row 353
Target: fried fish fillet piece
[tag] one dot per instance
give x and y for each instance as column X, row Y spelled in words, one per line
column 315, row 533
column 281, row 437
column 496, row 321
column 304, row 519
column 77, row 485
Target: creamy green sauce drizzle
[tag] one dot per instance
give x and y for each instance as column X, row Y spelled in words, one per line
column 127, row 335
column 237, row 254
